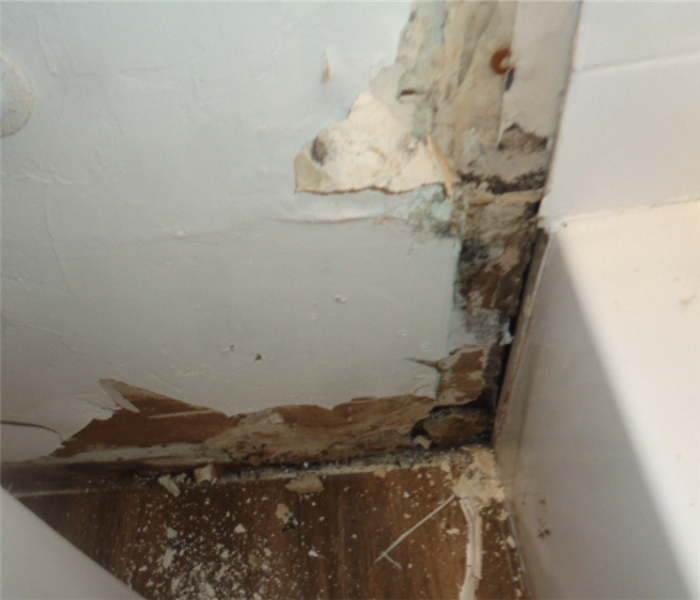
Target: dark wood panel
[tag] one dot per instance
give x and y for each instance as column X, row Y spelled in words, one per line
column 189, row 546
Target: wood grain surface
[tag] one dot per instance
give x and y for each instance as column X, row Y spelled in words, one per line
column 225, row 539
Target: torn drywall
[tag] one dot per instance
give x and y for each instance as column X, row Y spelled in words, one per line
column 149, row 428
column 199, row 275
column 473, row 99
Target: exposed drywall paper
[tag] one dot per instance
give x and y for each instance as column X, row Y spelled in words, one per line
column 370, row 149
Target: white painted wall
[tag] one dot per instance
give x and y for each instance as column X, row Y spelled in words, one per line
column 599, row 450
column 150, row 230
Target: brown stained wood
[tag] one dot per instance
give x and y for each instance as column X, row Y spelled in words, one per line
column 451, row 426
column 468, row 374
column 188, row 547
column 281, row 435
column 296, row 433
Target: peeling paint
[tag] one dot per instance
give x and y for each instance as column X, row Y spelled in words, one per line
column 371, row 149
column 156, row 429
column 285, row 434
column 479, row 95
column 448, row 141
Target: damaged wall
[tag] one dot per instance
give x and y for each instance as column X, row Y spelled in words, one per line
column 155, row 239
column 148, row 226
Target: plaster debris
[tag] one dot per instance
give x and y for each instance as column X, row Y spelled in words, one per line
column 239, row 529
column 167, row 558
column 170, row 533
column 476, row 488
column 472, row 575
column 381, row 472
column 305, row 484
column 207, row 473
column 167, row 482
column 480, row 482
column 283, row 513
column 313, row 554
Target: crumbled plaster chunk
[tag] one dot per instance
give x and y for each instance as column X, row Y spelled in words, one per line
column 381, row 472
column 479, row 482
column 167, row 482
column 283, row 513
column 305, row 484
column 239, row 529
column 209, row 590
column 207, row 473
column 167, row 558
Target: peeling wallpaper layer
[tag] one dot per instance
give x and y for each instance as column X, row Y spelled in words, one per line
column 151, row 233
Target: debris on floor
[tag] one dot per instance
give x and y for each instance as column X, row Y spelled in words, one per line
column 333, row 531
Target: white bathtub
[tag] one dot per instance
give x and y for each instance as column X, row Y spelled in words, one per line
column 599, row 436
column 38, row 563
